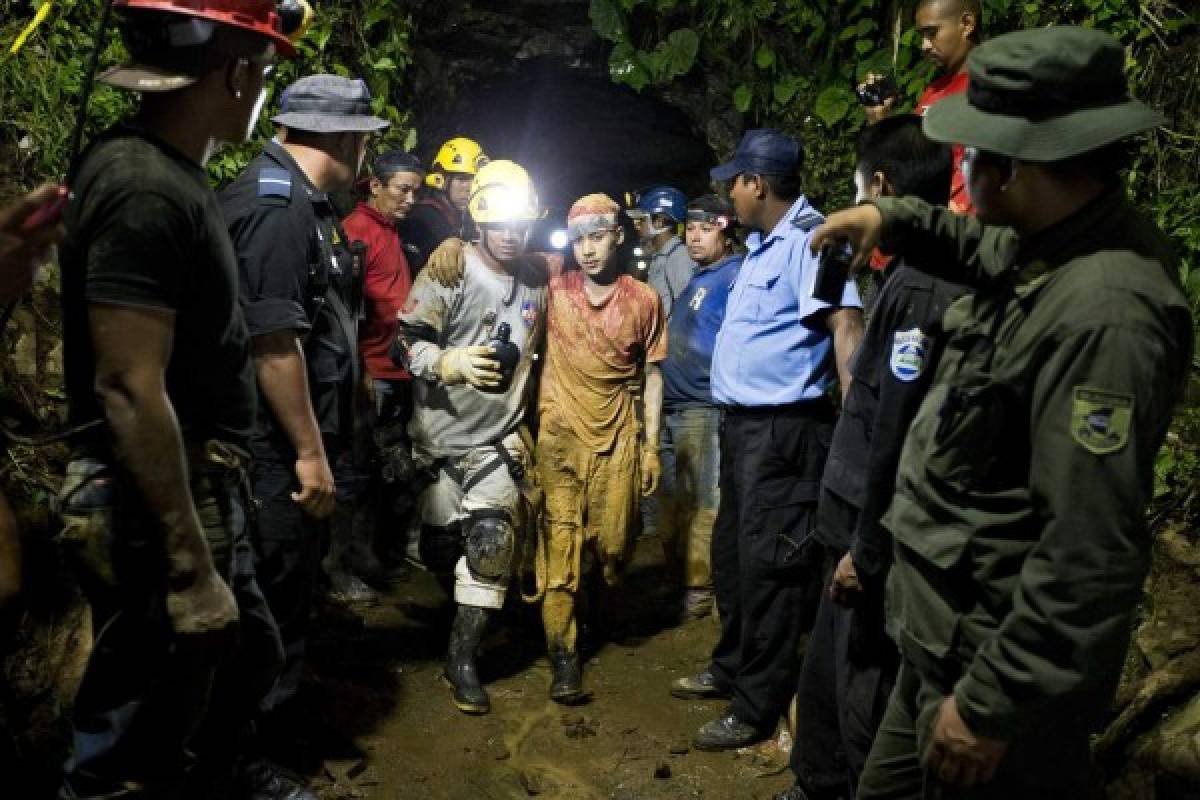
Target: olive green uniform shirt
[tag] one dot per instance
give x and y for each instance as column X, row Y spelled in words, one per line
column 1021, row 546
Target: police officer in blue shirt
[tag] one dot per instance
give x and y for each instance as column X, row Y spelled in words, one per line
column 776, row 357
column 686, row 501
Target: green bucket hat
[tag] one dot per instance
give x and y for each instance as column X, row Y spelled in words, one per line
column 1042, row 95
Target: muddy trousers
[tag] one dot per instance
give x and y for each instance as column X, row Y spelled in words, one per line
column 766, row 563
column 1046, row 760
column 684, row 508
column 591, row 503
column 151, row 720
column 845, row 681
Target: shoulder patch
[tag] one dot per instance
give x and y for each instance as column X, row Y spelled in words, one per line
column 910, row 354
column 1100, row 419
column 807, row 220
column 274, row 182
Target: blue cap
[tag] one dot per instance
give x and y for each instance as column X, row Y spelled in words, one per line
column 762, row 151
column 661, row 200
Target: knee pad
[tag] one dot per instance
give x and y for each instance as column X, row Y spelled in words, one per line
column 471, row 591
column 489, row 546
column 440, row 547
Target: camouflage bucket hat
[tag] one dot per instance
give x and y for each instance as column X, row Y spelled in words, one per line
column 1043, row 95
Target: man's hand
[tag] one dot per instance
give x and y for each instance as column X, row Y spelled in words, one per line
column 861, row 226
column 651, row 470
column 317, row 491
column 446, row 263
column 22, row 250
column 476, row 366
column 203, row 612
column 876, row 113
column 844, row 589
column 956, row 756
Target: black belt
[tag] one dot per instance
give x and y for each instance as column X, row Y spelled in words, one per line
column 820, row 406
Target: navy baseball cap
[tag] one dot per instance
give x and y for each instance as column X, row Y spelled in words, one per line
column 762, row 151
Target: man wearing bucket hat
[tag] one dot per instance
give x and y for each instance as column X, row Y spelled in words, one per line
column 1020, row 541
column 156, row 351
column 298, row 295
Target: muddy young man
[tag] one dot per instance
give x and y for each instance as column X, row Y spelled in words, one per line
column 607, row 338
column 468, row 410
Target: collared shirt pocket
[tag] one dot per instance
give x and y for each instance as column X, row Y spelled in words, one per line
column 767, row 296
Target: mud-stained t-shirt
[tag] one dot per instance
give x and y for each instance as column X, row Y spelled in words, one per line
column 596, row 356
column 450, row 420
column 145, row 231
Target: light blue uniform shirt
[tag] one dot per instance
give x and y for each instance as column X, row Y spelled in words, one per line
column 766, row 354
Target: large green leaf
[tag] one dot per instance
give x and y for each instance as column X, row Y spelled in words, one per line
column 786, row 88
column 765, row 57
column 625, row 67
column 607, row 19
column 678, row 53
column 743, row 96
column 833, row 104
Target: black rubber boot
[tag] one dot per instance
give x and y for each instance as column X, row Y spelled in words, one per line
column 566, row 684
column 460, row 673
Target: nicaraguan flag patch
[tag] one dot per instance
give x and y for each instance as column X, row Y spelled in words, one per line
column 910, row 353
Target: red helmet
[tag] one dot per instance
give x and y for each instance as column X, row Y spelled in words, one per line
column 257, row 16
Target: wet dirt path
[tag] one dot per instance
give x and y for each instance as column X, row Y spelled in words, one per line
column 379, row 725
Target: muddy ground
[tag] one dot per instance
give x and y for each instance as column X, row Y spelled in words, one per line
column 376, row 723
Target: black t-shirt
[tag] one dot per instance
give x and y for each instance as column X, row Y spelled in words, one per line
column 145, row 231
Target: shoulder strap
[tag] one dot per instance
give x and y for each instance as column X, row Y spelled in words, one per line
column 274, row 186
column 807, row 219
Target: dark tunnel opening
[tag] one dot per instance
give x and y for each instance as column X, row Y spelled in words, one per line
column 576, row 133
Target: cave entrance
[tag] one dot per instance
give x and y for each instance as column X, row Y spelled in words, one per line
column 577, row 132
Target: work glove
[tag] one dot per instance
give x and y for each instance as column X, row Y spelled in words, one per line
column 475, row 365
column 651, row 470
column 445, row 264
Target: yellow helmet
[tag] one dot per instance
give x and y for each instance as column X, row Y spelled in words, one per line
column 460, row 155
column 502, row 192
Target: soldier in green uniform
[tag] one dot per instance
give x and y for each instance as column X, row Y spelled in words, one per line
column 1020, row 542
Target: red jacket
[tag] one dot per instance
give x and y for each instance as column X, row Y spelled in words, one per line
column 960, row 200
column 385, row 288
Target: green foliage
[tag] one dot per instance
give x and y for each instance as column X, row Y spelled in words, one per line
column 793, row 64
column 1178, row 462
column 39, row 87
